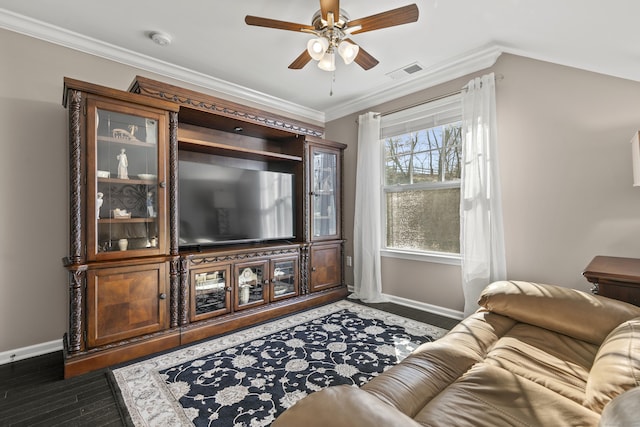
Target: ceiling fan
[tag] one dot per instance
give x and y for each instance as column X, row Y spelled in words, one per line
column 332, row 28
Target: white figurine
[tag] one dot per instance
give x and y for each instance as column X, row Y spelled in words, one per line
column 99, row 201
column 123, row 163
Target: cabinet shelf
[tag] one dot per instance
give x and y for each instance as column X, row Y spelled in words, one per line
column 211, row 286
column 123, row 141
column 128, row 181
column 233, row 151
column 125, row 220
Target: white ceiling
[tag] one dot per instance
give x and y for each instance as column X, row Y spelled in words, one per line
column 213, row 47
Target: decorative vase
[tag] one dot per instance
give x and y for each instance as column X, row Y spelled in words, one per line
column 123, row 244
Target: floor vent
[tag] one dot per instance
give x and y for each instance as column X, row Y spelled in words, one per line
column 405, row 71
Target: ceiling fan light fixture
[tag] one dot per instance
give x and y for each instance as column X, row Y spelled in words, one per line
column 331, row 25
column 317, row 47
column 348, row 51
column 328, row 62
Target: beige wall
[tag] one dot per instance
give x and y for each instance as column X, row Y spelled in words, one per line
column 565, row 165
column 565, row 174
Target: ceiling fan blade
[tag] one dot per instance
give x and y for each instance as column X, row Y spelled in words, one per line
column 364, row 58
column 274, row 23
column 390, row 18
column 300, row 61
column 327, row 6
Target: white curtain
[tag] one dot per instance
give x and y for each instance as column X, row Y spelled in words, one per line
column 481, row 229
column 366, row 224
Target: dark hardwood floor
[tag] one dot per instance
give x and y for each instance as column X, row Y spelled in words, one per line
column 34, row 393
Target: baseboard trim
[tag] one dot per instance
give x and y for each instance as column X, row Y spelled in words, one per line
column 435, row 309
column 30, row 351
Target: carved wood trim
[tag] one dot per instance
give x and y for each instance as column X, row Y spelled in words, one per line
column 261, row 253
column 218, row 106
column 183, row 308
column 304, row 269
column 75, row 176
column 174, row 291
column 77, row 280
column 173, row 183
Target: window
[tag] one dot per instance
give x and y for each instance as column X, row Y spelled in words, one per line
column 421, row 188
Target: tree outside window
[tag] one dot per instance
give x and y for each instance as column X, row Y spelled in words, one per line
column 422, row 189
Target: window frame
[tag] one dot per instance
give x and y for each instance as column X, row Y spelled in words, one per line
column 430, row 108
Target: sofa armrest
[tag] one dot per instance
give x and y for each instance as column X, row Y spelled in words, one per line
column 568, row 311
column 342, row 406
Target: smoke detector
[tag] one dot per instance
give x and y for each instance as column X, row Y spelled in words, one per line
column 160, row 38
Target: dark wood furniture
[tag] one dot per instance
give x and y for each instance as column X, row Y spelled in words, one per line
column 132, row 290
column 615, row 277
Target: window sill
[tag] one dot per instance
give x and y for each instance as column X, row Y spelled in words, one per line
column 438, row 258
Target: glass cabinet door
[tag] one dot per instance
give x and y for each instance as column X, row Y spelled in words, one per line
column 324, row 194
column 125, row 188
column 210, row 290
column 284, row 273
column 250, row 284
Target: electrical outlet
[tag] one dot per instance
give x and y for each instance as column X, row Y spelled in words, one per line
column 349, row 261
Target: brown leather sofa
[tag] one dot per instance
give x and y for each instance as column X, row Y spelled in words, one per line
column 532, row 355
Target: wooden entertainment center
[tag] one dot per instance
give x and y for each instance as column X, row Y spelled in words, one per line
column 134, row 287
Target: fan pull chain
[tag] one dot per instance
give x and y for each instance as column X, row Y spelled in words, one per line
column 333, row 80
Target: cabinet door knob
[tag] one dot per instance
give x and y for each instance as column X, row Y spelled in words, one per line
column 313, row 269
column 163, row 296
column 163, row 184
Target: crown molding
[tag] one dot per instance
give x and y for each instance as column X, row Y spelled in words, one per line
column 60, row 36
column 440, row 73
column 462, row 65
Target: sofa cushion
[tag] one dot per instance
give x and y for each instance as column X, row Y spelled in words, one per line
column 616, row 367
column 488, row 395
column 342, row 406
column 571, row 312
column 555, row 361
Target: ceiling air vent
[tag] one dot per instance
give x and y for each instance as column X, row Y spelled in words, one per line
column 405, row 71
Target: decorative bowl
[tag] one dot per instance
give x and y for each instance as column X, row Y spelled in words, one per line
column 146, row 176
column 104, row 174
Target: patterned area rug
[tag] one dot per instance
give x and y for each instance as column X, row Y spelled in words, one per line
column 250, row 377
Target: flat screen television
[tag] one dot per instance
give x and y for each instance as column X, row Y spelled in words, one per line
column 219, row 204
